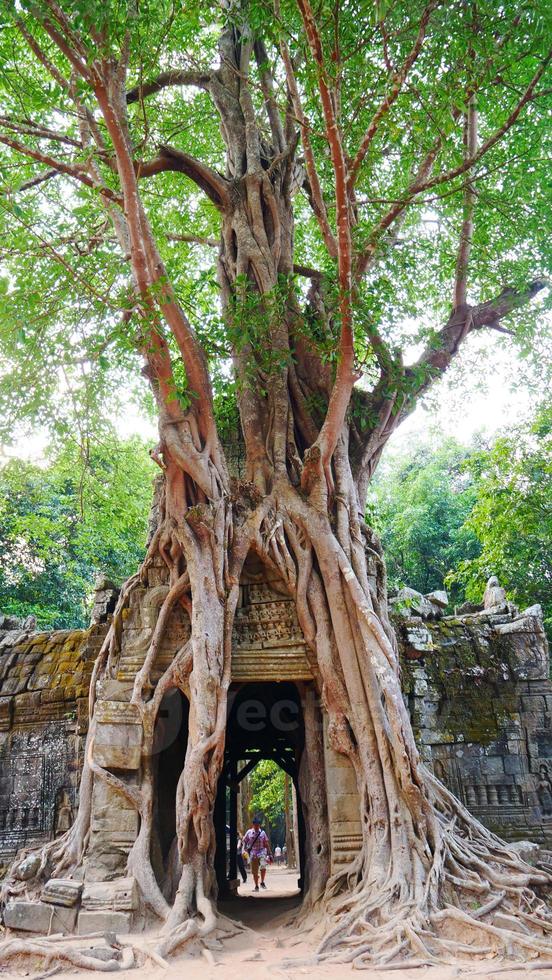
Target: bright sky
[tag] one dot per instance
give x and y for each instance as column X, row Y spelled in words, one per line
column 467, row 402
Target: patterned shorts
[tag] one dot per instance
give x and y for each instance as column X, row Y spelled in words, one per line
column 258, row 861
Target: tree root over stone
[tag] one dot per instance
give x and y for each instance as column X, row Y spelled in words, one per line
column 46, row 953
column 479, row 901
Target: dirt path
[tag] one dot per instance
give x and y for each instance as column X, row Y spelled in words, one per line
column 257, row 952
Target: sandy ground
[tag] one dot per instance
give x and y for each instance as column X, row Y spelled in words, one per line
column 257, row 952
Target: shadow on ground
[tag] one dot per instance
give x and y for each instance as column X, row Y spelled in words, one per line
column 263, row 909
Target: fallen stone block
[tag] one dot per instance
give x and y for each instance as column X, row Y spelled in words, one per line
column 62, row 891
column 438, row 598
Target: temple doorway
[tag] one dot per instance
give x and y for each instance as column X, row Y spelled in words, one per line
column 265, row 725
column 169, row 753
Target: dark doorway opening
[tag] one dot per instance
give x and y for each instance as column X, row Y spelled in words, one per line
column 265, row 721
column 170, row 743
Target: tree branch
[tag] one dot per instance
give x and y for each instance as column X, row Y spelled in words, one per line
column 40, row 179
column 208, row 180
column 28, row 128
column 195, row 240
column 437, row 357
column 394, row 399
column 267, row 86
column 466, row 232
column 70, row 170
column 316, row 195
column 168, row 79
column 67, row 41
column 422, row 182
column 396, row 87
column 345, row 374
column 470, row 161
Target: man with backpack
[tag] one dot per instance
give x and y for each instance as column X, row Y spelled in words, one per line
column 257, row 846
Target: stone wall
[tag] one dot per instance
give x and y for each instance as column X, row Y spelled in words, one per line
column 479, row 694
column 44, row 681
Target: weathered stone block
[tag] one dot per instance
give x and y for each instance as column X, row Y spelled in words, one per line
column 492, row 765
column 6, row 711
column 39, row 917
column 62, row 891
column 120, row 895
column 110, row 689
column 118, row 746
column 513, row 764
column 117, row 922
column 345, row 807
column 340, row 780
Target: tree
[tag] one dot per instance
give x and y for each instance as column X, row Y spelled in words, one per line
column 267, row 783
column 322, row 146
column 512, row 515
column 64, row 523
column 419, row 504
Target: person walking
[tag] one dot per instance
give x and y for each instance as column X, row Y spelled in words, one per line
column 240, row 861
column 257, row 846
column 278, row 855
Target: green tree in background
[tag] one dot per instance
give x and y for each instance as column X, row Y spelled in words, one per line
column 419, row 503
column 512, row 515
column 85, row 512
column 267, row 784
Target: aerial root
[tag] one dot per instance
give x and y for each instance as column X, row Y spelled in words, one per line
column 526, row 967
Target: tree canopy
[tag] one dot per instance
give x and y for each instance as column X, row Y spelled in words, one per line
column 439, row 115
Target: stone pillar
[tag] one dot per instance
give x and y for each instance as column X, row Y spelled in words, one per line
column 343, row 806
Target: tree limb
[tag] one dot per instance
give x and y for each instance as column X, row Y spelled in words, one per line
column 168, row 79
column 316, row 196
column 489, row 143
column 466, row 232
column 28, row 128
column 423, row 182
column 70, row 170
column 345, row 374
column 396, row 87
column 207, row 179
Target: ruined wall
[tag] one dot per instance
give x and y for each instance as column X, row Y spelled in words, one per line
column 480, row 698
column 44, row 680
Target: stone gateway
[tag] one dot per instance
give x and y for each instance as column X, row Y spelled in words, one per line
column 476, row 686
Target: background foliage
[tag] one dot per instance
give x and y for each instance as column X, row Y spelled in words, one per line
column 267, row 786
column 61, row 524
column 447, row 513
column 454, row 515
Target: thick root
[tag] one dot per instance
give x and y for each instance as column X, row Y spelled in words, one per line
column 47, row 954
column 479, row 901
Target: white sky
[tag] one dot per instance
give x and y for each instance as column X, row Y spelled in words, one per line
column 469, row 401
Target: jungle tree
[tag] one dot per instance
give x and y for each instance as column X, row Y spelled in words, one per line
column 354, row 166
